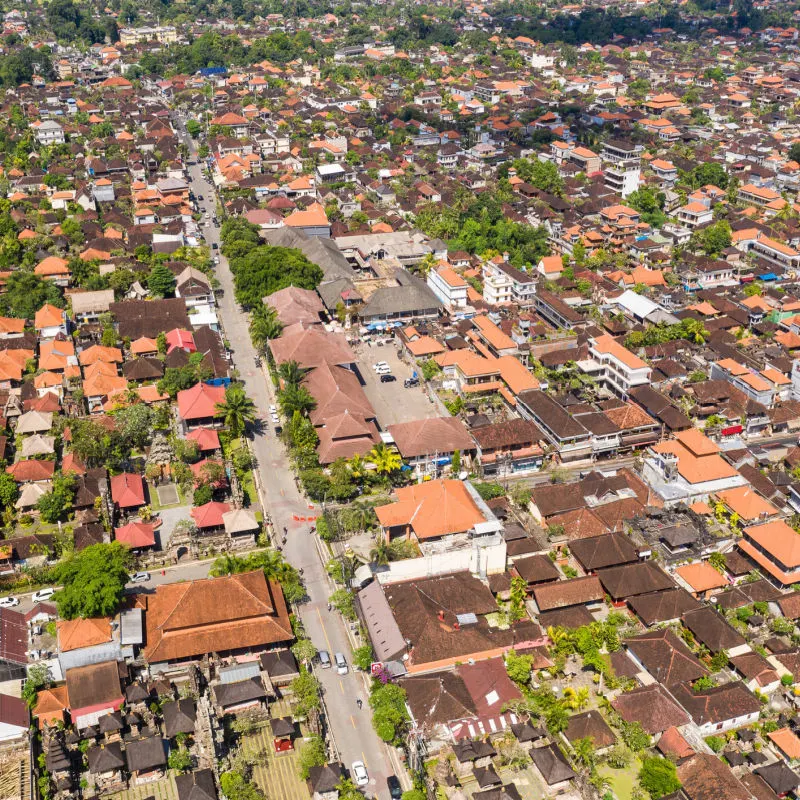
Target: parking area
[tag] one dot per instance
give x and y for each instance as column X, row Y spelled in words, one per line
column 392, row 402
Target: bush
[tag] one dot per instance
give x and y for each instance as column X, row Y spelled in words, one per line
column 344, row 602
column 488, row 491
column 659, row 777
column 312, row 754
column 716, row 743
column 363, row 657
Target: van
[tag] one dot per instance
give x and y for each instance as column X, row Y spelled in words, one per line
column 341, row 663
column 43, row 594
column 324, row 659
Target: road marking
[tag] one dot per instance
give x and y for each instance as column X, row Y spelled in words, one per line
column 341, row 686
column 324, row 632
column 364, row 759
column 353, row 721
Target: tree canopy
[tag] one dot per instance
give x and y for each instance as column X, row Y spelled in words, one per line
column 93, row 581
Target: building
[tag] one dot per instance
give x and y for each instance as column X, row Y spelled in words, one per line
column 165, row 34
column 622, row 166
column 504, row 284
column 185, row 621
column 619, row 369
column 449, row 287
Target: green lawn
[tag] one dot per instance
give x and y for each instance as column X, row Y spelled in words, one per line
column 622, row 780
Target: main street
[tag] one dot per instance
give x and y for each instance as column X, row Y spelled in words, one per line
column 352, row 731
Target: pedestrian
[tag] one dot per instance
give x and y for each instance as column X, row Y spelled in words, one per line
column 329, row 607
column 284, row 540
column 359, row 703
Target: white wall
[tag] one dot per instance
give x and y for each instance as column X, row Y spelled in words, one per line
column 492, row 560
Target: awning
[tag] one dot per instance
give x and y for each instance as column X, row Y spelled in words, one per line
column 731, row 430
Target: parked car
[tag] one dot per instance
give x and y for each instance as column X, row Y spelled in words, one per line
column 341, row 663
column 9, row 602
column 378, row 365
column 383, row 370
column 42, row 595
column 140, row 577
column 214, row 246
column 395, row 789
column 360, row 775
column 324, row 659
column 388, row 378
column 410, row 382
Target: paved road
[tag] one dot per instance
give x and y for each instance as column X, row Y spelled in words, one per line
column 351, row 728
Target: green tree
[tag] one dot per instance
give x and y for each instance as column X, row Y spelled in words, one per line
column 93, row 581
column 519, row 594
column 363, row 657
column 38, row 678
column 519, row 667
column 180, row 759
column 659, row 777
column 718, row 561
column 635, row 736
column 161, row 281
column 236, row 787
column 306, row 690
column 26, row 293
column 55, row 504
column 9, row 492
column 294, row 399
column 385, row 459
column 236, row 410
column 264, row 326
column 389, row 713
column 714, row 238
column 312, row 754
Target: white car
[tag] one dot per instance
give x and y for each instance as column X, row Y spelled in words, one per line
column 359, row 771
column 273, row 409
column 42, row 595
column 383, row 370
column 380, row 365
column 140, row 577
column 9, row 602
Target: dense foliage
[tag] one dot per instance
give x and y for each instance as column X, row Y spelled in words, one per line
column 260, row 269
column 93, row 581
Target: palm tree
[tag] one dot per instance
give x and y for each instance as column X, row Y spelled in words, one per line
column 381, row 553
column 296, row 398
column 236, row 410
column 291, row 373
column 264, row 325
column 385, row 459
column 584, row 752
column 358, row 466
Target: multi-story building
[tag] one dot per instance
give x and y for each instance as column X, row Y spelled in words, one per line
column 620, row 370
column 504, row 284
column 449, row 287
column 166, row 34
column 623, row 166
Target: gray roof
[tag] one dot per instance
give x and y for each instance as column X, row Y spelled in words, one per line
column 321, row 251
column 83, row 302
column 410, row 296
column 384, row 632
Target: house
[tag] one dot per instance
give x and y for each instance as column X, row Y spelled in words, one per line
column 553, row 766
column 504, row 284
column 50, row 321
column 197, row 785
column 705, row 777
column 147, row 758
column 662, row 657
column 87, row 307
column 775, row 547
column 198, row 406
column 711, row 630
column 184, row 621
column 127, row 491
column 652, row 706
column 14, row 719
column 720, row 708
column 688, row 468
column 508, row 447
column 323, row 781
column 92, row 691
column 428, row 444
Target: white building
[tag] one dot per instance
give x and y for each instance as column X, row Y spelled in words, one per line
column 50, row 132
column 449, row 287
column 504, row 284
column 619, row 369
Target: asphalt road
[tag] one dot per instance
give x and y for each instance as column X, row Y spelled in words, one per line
column 351, row 728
